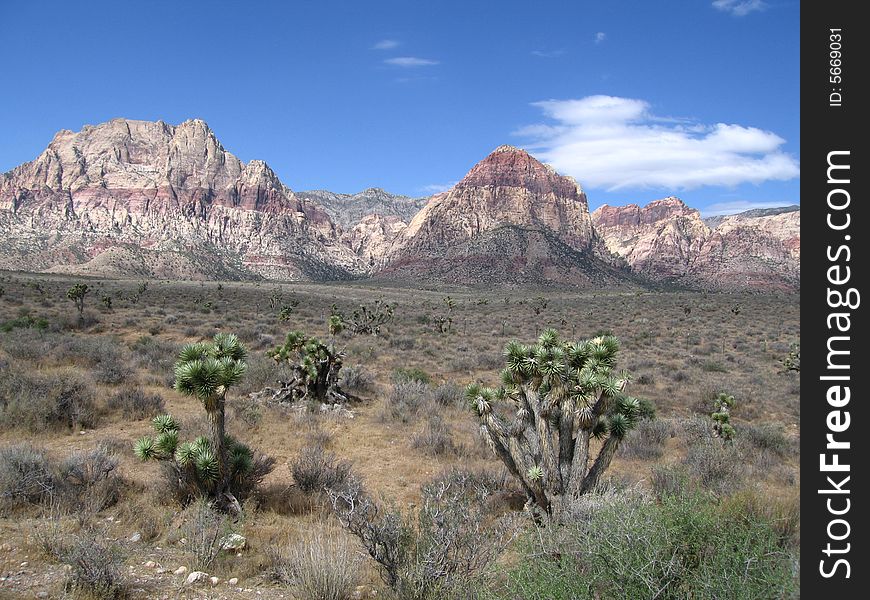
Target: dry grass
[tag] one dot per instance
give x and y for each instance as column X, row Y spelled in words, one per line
column 396, row 442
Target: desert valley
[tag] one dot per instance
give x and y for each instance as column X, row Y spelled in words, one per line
column 492, row 392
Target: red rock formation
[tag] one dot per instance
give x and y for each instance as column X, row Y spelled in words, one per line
column 670, row 242
column 462, row 234
column 163, row 188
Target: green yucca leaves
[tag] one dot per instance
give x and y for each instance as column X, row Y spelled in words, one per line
column 548, row 338
column 167, row 442
column 144, row 449
column 619, row 425
column 207, row 467
column 535, row 473
column 164, row 423
column 186, row 454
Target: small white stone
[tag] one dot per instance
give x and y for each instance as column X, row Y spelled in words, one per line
column 195, row 577
column 150, row 564
column 136, row 537
column 24, row 564
column 214, row 580
column 233, row 542
column 180, row 571
column 233, row 581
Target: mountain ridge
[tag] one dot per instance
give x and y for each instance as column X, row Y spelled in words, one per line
column 164, row 200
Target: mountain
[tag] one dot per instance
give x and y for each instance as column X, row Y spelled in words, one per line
column 347, row 210
column 668, row 241
column 511, row 219
column 152, row 200
column 148, row 199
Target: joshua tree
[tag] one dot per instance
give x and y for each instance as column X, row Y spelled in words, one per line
column 792, row 362
column 77, row 294
column 316, row 367
column 722, row 427
column 207, row 370
column 445, row 321
column 193, row 469
column 561, row 394
column 366, row 320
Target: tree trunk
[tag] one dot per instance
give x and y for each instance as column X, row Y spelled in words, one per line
column 605, row 455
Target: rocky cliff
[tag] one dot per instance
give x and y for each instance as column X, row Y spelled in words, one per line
column 147, row 199
column 667, row 241
column 510, row 219
column 347, row 210
column 139, row 198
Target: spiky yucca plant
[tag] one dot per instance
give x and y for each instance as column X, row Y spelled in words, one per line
column 316, row 367
column 721, row 415
column 194, row 467
column 206, row 371
column 560, row 396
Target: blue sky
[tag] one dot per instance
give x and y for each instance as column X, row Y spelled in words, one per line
column 636, row 100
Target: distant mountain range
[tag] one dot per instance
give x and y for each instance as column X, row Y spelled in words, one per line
column 148, row 199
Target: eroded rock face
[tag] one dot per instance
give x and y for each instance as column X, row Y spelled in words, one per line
column 372, row 238
column 670, row 242
column 348, row 210
column 92, row 199
column 511, row 213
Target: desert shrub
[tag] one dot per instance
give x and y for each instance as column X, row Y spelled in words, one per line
column 716, row 466
column 26, row 476
column 411, row 374
column 436, row 550
column 103, row 355
column 204, row 529
column 88, row 482
column 155, row 356
column 262, row 372
column 406, row 400
column 449, row 394
column 315, row 470
column 40, row 402
column 678, row 375
column 647, row 440
column 782, row 512
column 96, row 567
column 682, row 547
column 247, row 411
column 768, row 436
column 669, row 480
column 317, row 436
column 435, row 439
column 135, row 403
column 645, row 379
column 321, row 565
column 713, row 366
column 403, row 343
column 356, row 378
column 31, row 345
column 26, row 321
column 489, row 360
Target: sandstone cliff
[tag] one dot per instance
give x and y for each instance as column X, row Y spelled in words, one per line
column 348, row 210
column 511, row 219
column 93, row 198
column 667, row 241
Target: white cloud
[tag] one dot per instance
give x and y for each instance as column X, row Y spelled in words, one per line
column 386, row 45
column 738, row 206
column 739, row 8
column 617, row 143
column 437, row 188
column 547, row 53
column 600, row 37
column 410, row 62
